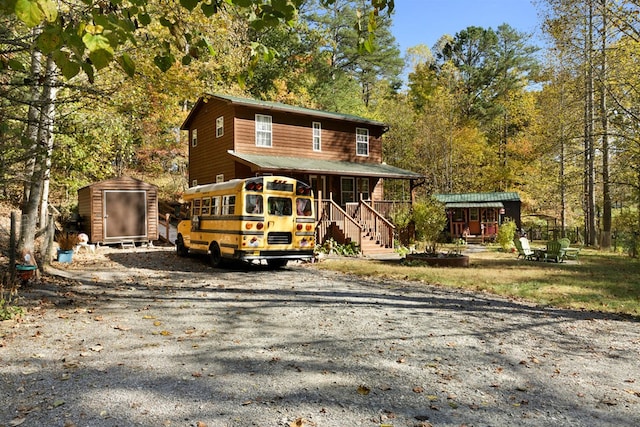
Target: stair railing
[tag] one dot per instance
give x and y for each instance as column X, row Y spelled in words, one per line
column 329, row 212
column 376, row 225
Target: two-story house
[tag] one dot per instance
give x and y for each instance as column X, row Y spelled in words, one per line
column 339, row 155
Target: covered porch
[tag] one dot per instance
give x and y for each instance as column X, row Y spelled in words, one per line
column 350, row 205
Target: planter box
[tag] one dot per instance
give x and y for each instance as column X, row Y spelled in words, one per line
column 65, row 256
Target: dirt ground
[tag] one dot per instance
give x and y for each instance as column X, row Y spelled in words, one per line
column 144, row 338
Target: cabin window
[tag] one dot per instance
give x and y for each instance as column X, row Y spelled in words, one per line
column 215, row 205
column 228, row 205
column 347, row 190
column 458, row 215
column 474, row 214
column 362, row 142
column 194, row 137
column 220, row 177
column 317, row 136
column 263, row 130
column 219, row 126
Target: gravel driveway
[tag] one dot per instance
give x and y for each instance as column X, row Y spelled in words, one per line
column 145, row 338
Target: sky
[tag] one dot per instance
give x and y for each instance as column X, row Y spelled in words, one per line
column 425, row 21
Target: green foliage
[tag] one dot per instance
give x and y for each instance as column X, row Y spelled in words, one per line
column 506, row 233
column 8, row 310
column 332, row 247
column 429, row 218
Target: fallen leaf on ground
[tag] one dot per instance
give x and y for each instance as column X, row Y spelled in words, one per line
column 363, row 390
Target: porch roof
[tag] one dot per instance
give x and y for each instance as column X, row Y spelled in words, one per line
column 281, row 164
column 468, row 198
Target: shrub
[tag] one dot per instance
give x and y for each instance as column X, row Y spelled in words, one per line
column 506, row 233
column 429, row 218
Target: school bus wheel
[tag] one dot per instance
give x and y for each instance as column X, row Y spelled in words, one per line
column 181, row 249
column 214, row 255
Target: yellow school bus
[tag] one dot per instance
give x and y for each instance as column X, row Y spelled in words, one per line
column 269, row 218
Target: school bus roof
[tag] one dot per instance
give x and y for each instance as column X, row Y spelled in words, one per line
column 220, row 186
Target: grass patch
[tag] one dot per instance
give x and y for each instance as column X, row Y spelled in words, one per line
column 597, row 282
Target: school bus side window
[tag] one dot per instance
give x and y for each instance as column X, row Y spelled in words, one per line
column 206, row 203
column 228, row 205
column 196, row 207
column 215, row 205
column 253, row 204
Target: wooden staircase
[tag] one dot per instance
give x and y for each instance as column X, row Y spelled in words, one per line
column 360, row 224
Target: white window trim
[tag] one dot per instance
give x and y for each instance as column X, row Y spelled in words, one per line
column 219, row 178
column 316, row 142
column 362, row 133
column 219, row 126
column 194, row 137
column 264, row 127
column 194, row 183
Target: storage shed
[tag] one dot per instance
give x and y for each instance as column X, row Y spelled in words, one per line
column 119, row 210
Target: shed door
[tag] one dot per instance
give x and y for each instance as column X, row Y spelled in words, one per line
column 125, row 214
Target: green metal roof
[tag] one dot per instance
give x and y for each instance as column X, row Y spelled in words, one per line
column 282, row 164
column 467, row 198
column 278, row 106
column 474, row 205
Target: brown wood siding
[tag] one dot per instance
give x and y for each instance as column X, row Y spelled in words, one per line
column 292, row 137
column 91, row 208
column 209, row 158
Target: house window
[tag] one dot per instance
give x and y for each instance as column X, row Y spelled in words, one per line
column 317, row 136
column 220, row 177
column 228, row 205
column 263, row 130
column 362, row 142
column 363, row 188
column 194, row 137
column 347, row 188
column 194, row 183
column 219, row 126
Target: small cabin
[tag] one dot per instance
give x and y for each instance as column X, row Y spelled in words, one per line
column 477, row 216
column 119, row 210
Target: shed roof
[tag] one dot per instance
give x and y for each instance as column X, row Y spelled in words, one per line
column 281, row 164
column 278, row 106
column 120, row 182
column 468, row 198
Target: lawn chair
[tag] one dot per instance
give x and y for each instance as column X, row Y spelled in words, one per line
column 524, row 250
column 572, row 253
column 554, row 251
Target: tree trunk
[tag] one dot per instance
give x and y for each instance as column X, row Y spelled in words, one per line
column 606, row 193
column 33, row 115
column 41, row 153
column 48, row 112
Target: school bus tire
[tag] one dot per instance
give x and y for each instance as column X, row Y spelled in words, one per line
column 181, row 249
column 215, row 257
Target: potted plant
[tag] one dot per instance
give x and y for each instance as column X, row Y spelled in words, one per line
column 66, row 243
